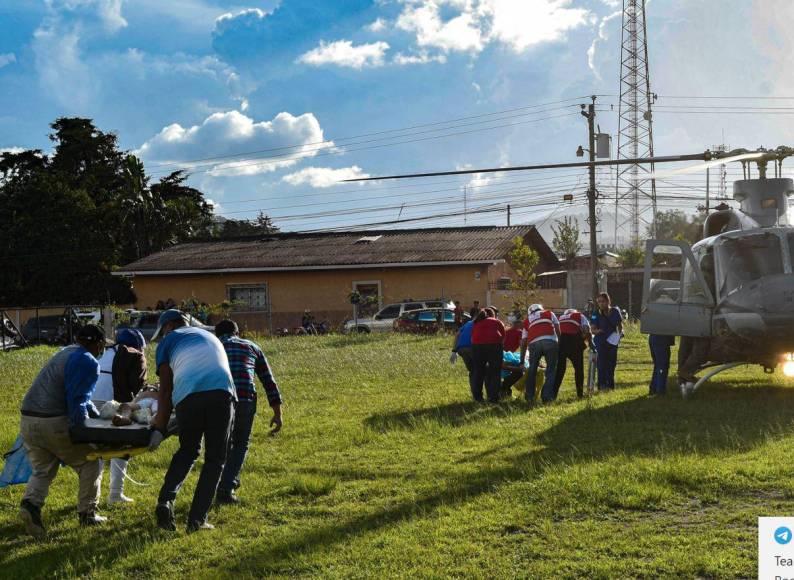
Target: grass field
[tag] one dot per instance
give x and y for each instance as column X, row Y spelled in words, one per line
column 386, row 469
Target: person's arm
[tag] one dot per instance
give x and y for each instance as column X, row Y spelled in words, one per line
column 586, row 334
column 455, row 341
column 555, row 321
column 164, row 403
column 272, row 392
column 81, row 374
column 523, row 346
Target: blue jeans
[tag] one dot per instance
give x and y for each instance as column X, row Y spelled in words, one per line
column 607, row 361
column 244, row 414
column 660, row 353
column 549, row 350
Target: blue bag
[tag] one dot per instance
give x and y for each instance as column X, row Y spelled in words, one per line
column 17, row 468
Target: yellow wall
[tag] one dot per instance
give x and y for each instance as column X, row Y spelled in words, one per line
column 325, row 292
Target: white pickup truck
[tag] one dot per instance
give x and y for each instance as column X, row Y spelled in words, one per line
column 383, row 320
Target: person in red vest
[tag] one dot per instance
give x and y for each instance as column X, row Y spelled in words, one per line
column 540, row 337
column 487, row 336
column 513, row 334
column 574, row 337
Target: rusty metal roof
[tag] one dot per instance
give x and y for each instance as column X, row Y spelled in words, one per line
column 295, row 251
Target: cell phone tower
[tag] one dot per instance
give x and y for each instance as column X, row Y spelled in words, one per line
column 635, row 191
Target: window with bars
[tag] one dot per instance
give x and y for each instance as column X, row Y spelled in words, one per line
column 248, row 297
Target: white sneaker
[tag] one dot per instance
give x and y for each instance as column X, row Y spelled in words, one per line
column 119, row 498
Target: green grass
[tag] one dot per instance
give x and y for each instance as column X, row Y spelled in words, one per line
column 386, row 469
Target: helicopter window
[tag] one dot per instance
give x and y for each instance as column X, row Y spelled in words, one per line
column 746, row 259
column 694, row 293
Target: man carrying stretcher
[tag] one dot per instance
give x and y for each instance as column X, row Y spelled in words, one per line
column 59, row 401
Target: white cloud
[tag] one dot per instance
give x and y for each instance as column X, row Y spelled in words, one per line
column 270, row 145
column 473, row 24
column 13, row 150
column 520, row 24
column 378, row 25
column 344, row 53
column 460, row 33
column 7, row 58
column 420, row 58
column 248, row 16
column 324, row 176
column 603, row 36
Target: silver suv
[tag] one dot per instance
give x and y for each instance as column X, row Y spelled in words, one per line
column 383, row 321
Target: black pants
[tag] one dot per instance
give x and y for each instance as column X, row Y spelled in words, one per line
column 487, row 369
column 209, row 415
column 571, row 349
column 692, row 354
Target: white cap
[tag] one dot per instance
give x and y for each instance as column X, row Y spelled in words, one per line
column 535, row 308
column 570, row 311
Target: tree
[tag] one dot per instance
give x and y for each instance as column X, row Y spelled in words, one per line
column 523, row 260
column 230, row 228
column 674, row 224
column 566, row 242
column 67, row 220
column 631, row 257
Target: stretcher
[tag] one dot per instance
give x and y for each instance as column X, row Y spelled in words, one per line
column 103, row 432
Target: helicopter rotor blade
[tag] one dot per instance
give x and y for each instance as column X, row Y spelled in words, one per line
column 609, row 162
column 705, row 165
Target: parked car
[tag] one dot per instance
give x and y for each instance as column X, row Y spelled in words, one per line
column 426, row 321
column 146, row 322
column 383, row 320
column 49, row 329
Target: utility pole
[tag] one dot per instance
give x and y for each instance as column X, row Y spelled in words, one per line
column 707, row 190
column 591, row 196
column 508, row 215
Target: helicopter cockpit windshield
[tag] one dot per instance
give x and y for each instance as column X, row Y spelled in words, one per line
column 748, row 258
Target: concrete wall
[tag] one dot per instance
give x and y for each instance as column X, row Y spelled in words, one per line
column 325, row 292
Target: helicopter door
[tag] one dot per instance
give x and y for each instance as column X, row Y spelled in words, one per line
column 674, row 304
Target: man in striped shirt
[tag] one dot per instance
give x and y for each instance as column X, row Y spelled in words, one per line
column 246, row 361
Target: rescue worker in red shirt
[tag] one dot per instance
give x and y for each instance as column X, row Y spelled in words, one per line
column 513, row 334
column 540, row 337
column 574, row 337
column 487, row 336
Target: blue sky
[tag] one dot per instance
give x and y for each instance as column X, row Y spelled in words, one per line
column 187, row 80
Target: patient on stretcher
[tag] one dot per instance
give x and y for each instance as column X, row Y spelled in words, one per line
column 141, row 410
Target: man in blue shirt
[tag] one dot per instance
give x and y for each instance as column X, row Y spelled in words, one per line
column 195, row 380
column 59, row 401
column 606, row 325
column 462, row 347
column 246, row 361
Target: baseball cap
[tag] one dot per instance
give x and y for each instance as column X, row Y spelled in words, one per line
column 91, row 333
column 166, row 317
column 131, row 337
column 535, row 308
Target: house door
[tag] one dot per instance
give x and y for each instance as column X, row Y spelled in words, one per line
column 370, row 297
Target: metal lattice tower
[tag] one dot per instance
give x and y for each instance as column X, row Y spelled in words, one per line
column 635, row 192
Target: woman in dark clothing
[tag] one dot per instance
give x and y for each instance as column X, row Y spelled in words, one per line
column 487, row 337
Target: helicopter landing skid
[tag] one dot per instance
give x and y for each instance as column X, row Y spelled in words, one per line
column 714, row 371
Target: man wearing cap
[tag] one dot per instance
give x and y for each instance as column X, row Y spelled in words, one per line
column 246, row 361
column 196, row 381
column 540, row 337
column 122, row 374
column 574, row 336
column 59, row 401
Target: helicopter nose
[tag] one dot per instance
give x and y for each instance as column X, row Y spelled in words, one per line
column 762, row 310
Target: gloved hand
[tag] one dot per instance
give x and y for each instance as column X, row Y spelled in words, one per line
column 453, row 358
column 155, row 439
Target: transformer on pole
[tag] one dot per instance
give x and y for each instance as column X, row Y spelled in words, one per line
column 635, row 192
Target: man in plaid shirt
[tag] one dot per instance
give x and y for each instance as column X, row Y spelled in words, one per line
column 246, row 360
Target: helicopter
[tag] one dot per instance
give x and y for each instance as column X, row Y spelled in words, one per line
column 733, row 303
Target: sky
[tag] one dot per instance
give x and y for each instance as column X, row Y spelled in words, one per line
column 268, row 104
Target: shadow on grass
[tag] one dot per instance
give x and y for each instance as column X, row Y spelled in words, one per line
column 450, row 415
column 735, row 419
